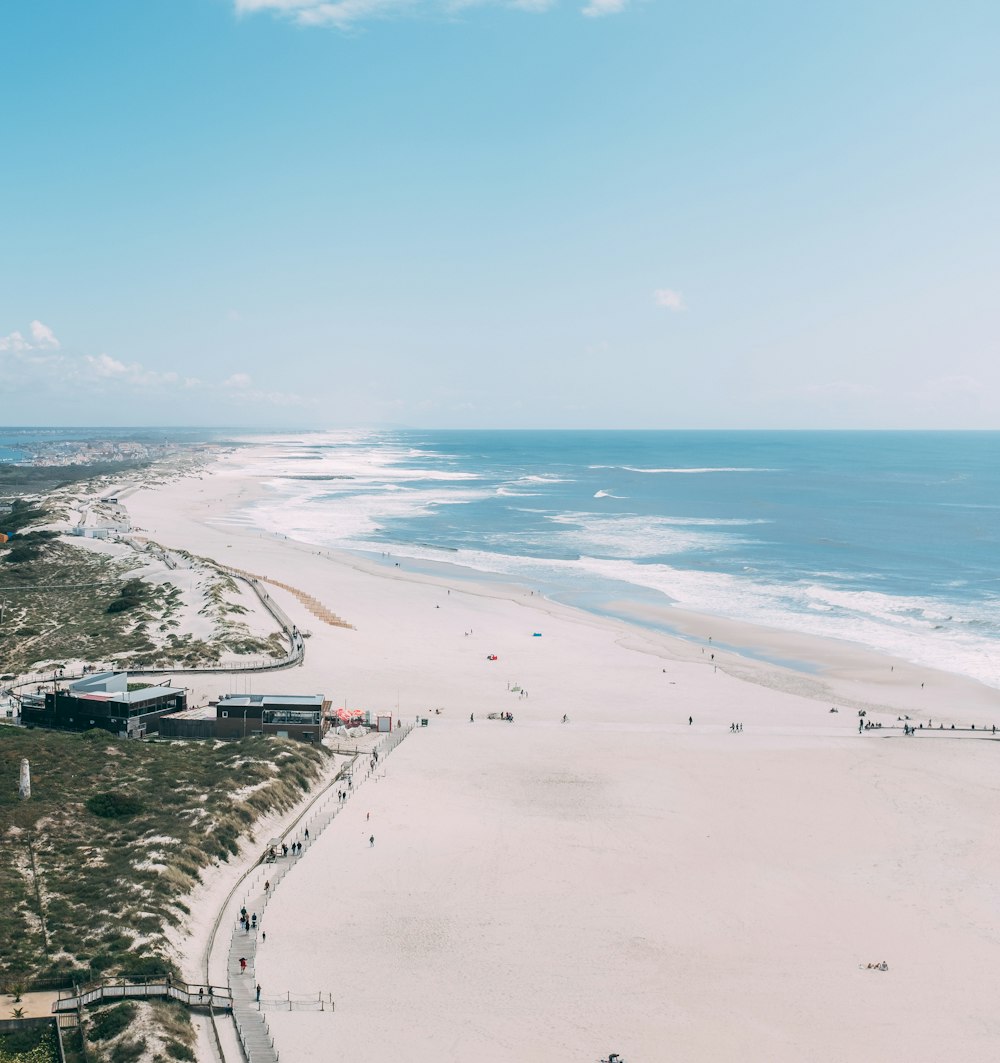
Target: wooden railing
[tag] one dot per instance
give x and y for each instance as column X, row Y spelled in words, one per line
column 193, row 996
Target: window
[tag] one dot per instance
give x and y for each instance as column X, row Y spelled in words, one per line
column 225, row 713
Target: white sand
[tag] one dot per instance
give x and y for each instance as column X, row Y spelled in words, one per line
column 625, row 882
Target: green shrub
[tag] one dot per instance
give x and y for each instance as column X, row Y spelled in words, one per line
column 114, row 805
column 20, row 554
column 120, row 605
column 178, row 1051
column 128, row 1051
column 111, row 1023
column 136, row 967
column 15, row 1043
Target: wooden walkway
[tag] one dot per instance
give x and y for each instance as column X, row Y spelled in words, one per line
column 249, row 1014
column 194, row 996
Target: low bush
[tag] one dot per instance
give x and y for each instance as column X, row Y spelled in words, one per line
column 20, row 554
column 114, row 805
column 111, row 1023
column 120, row 605
column 128, row 1051
column 17, row 1043
column 137, row 967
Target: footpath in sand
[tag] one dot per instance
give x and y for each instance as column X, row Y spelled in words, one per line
column 628, row 881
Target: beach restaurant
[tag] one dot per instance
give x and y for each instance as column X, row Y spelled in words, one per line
column 104, row 700
column 302, row 716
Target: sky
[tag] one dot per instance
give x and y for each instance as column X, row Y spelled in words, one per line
column 469, row 213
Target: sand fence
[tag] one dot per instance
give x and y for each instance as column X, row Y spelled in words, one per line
column 313, row 605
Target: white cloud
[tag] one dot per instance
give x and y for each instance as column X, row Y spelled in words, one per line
column 599, row 8
column 14, row 342
column 42, row 339
column 43, row 336
column 669, row 299
column 36, row 368
column 346, row 13
column 340, row 13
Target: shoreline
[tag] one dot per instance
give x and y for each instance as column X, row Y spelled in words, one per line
column 820, row 667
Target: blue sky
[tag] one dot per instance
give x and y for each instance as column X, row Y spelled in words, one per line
column 597, row 213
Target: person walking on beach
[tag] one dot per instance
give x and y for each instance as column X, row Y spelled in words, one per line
column 690, row 720
column 472, row 718
column 258, row 992
column 243, row 964
column 371, row 841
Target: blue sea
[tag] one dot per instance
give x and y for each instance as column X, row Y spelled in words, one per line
column 887, row 539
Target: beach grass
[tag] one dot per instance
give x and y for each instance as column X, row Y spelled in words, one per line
column 57, row 608
column 64, row 603
column 97, row 863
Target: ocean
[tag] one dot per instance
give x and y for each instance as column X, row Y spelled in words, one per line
column 886, row 539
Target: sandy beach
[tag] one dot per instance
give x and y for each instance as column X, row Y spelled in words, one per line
column 628, row 881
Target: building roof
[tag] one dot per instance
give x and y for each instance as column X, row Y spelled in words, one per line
column 293, row 700
column 127, row 697
column 199, row 712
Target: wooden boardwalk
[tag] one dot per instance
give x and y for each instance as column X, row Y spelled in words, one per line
column 249, row 1014
column 194, row 996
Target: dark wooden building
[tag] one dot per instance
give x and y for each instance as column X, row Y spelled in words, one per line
column 104, row 700
column 302, row 716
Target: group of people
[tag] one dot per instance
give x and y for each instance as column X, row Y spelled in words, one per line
column 247, row 921
column 734, row 727
column 883, row 966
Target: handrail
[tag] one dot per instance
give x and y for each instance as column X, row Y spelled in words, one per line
column 119, row 989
